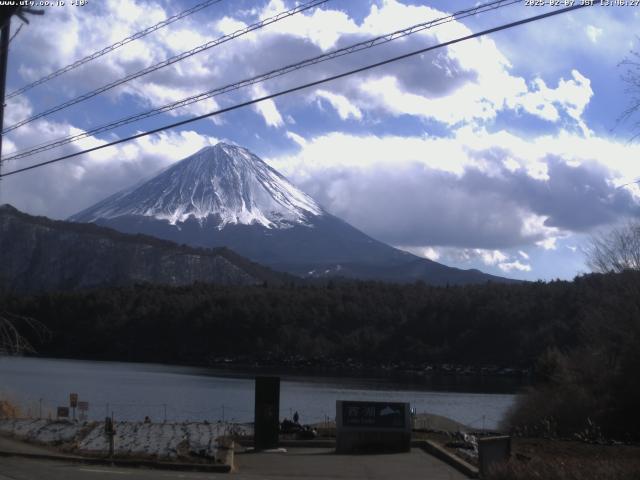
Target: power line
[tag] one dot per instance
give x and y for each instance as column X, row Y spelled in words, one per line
column 370, row 43
column 170, row 61
column 627, row 184
column 110, row 48
column 265, row 76
column 301, row 87
column 15, row 34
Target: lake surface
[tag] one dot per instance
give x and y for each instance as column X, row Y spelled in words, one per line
column 176, row 393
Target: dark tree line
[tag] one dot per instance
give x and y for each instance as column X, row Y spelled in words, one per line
column 580, row 338
column 510, row 325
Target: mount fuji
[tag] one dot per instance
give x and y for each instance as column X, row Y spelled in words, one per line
column 225, row 195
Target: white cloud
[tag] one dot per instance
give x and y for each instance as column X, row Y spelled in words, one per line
column 491, row 257
column 431, row 253
column 267, row 108
column 470, row 257
column 468, row 147
column 341, row 104
column 593, row 33
column 17, row 108
column 296, row 138
column 323, row 27
column 330, row 151
column 270, row 113
column 467, row 82
column 490, row 88
column 228, row 25
column 515, row 265
column 466, row 104
column 548, row 243
column 457, row 191
column 571, row 96
column 426, row 252
column 536, row 225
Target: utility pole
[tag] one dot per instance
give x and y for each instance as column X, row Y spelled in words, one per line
column 4, row 55
column 5, row 27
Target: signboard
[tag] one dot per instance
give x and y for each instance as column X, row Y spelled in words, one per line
column 63, row 412
column 83, row 406
column 372, row 426
column 73, row 400
column 374, row 414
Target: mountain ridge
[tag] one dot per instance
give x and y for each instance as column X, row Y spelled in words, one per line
column 41, row 254
column 226, row 196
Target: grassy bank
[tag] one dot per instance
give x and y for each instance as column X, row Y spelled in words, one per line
column 545, row 459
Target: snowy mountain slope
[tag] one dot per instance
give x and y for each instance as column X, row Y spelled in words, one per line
column 225, row 182
column 226, row 196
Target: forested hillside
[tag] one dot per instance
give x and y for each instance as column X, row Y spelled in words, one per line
column 371, row 323
column 580, row 339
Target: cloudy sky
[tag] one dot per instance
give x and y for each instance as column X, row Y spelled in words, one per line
column 501, row 153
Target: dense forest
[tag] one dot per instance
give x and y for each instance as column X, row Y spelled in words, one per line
column 579, row 338
column 507, row 325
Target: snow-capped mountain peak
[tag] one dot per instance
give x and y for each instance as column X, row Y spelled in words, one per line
column 225, row 182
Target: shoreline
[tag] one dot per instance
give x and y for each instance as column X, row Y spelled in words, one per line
column 452, row 378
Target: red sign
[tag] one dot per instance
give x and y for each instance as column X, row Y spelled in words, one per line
column 83, row 406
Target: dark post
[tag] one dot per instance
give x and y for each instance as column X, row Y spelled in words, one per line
column 110, row 431
column 4, row 55
column 73, row 403
column 267, row 413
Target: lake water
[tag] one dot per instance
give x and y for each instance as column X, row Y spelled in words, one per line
column 175, row 393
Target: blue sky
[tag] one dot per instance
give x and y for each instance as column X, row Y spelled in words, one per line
column 501, row 153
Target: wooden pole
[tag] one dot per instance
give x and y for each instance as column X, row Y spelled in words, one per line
column 4, row 55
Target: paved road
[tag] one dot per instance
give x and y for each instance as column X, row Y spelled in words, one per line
column 14, row 468
column 307, row 463
column 324, row 464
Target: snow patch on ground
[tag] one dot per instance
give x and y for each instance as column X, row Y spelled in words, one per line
column 41, row 430
column 137, row 439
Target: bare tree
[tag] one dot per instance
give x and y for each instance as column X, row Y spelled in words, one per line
column 12, row 341
column 631, row 77
column 616, row 250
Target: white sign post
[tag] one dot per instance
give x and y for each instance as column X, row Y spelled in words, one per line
column 83, row 407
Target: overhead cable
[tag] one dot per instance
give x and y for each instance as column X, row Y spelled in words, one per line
column 169, row 61
column 110, row 48
column 370, row 43
column 301, row 87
